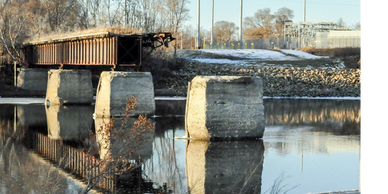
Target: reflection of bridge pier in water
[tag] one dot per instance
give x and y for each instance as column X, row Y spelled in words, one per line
column 69, row 122
column 317, row 132
column 224, row 167
column 115, row 146
column 66, row 144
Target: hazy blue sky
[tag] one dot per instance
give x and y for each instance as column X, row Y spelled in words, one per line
column 317, row 10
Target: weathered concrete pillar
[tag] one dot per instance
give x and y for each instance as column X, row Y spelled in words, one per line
column 69, row 122
column 225, row 107
column 224, row 167
column 33, row 79
column 69, row 87
column 114, row 87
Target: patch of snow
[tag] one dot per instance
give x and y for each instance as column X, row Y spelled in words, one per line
column 170, row 98
column 250, row 57
column 301, row 54
column 22, row 100
column 218, row 61
column 250, row 53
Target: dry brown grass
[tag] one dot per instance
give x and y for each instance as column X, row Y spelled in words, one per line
column 333, row 52
column 350, row 56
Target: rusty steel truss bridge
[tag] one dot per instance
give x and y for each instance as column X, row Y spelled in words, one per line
column 101, row 48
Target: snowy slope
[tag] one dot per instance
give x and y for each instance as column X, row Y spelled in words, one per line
column 260, row 58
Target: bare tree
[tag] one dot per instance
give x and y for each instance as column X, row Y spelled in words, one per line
column 357, row 26
column 15, row 17
column 62, row 15
column 148, row 15
column 89, row 10
column 225, row 31
column 341, row 23
column 283, row 15
column 177, row 14
column 94, row 11
column 260, row 25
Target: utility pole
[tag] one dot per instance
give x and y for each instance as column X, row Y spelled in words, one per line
column 241, row 15
column 198, row 46
column 304, row 11
column 212, row 35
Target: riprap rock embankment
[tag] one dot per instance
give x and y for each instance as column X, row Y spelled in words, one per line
column 278, row 81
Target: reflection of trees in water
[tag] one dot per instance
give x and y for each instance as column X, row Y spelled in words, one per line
column 320, row 126
column 20, row 171
column 6, row 122
column 279, row 185
column 163, row 167
column 26, row 175
column 313, row 143
column 338, row 116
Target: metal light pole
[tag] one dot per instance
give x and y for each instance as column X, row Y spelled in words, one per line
column 304, row 11
column 198, row 46
column 212, row 36
column 241, row 15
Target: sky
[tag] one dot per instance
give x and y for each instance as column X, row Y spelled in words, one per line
column 316, row 10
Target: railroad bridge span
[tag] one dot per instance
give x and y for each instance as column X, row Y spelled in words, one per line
column 66, row 84
column 99, row 48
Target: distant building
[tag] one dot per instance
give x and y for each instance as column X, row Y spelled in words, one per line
column 338, row 39
column 319, row 35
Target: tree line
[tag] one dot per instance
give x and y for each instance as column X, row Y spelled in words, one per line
column 263, row 24
column 21, row 20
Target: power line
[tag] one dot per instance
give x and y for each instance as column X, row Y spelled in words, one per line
column 314, row 2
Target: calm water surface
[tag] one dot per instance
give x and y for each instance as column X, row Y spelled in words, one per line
column 309, row 146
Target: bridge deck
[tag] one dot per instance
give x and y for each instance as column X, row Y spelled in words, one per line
column 101, row 48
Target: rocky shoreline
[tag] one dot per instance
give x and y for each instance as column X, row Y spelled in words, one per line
column 277, row 81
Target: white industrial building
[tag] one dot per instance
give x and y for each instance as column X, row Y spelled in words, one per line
column 338, row 39
column 319, row 35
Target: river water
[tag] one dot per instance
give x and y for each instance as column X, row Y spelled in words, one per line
column 309, row 146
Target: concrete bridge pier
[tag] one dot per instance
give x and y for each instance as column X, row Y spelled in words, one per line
column 33, row 79
column 225, row 107
column 114, row 87
column 69, row 87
